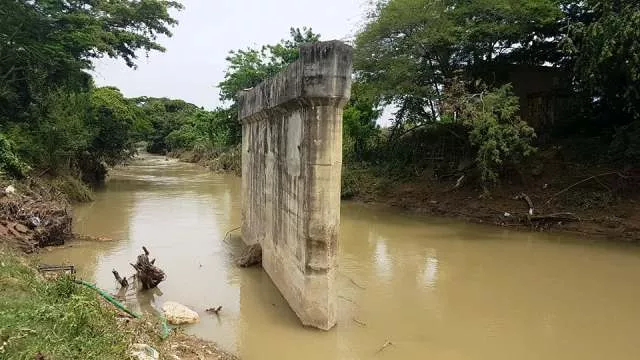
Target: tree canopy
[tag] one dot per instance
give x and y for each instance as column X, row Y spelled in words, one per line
column 53, row 115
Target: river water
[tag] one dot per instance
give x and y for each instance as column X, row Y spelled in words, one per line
column 433, row 288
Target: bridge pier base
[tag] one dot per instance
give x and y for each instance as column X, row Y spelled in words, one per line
column 291, row 168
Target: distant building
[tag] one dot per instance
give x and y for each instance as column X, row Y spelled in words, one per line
column 544, row 92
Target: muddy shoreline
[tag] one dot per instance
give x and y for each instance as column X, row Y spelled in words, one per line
column 509, row 206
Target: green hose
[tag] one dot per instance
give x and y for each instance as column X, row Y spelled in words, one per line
column 164, row 333
column 109, row 298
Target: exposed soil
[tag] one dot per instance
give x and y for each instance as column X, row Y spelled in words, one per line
column 178, row 346
column 594, row 202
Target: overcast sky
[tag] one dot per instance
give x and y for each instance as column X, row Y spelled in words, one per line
column 194, row 62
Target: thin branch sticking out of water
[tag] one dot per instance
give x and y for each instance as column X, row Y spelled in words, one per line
column 359, row 322
column 384, row 346
column 353, row 281
column 228, row 233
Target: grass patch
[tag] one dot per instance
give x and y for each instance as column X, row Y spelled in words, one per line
column 363, row 183
column 229, row 160
column 59, row 319
column 73, row 188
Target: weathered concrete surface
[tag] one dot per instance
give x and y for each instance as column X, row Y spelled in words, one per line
column 291, row 167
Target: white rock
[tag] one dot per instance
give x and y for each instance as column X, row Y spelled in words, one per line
column 178, row 314
column 144, row 352
column 10, row 190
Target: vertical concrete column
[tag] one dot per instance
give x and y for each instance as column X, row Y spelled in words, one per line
column 291, row 168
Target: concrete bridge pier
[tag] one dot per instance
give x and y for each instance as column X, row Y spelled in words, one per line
column 291, row 168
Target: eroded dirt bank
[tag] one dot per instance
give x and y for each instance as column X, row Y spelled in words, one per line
column 594, row 202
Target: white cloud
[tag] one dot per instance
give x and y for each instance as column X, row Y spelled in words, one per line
column 194, row 62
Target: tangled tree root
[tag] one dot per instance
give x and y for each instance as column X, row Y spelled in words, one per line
column 148, row 274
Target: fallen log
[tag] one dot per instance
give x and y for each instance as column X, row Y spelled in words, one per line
column 148, row 274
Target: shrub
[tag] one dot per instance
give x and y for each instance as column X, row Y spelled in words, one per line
column 10, row 164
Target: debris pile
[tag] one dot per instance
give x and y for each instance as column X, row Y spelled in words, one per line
column 251, row 256
column 34, row 217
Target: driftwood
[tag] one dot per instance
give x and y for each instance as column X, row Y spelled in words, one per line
column 565, row 216
column 214, row 310
column 228, row 233
column 359, row 322
column 384, row 346
column 122, row 281
column 252, row 255
column 148, row 274
column 526, row 198
column 583, row 181
column 457, row 185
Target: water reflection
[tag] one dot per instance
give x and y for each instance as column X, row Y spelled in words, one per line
column 381, row 258
column 435, row 288
column 430, row 273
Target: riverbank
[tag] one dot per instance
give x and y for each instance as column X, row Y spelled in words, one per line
column 224, row 161
column 588, row 201
column 56, row 318
column 591, row 201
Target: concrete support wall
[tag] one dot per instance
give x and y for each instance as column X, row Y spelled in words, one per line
column 291, row 167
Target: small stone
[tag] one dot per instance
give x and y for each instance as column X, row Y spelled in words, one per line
column 21, row 228
column 144, row 352
column 178, row 314
column 10, row 190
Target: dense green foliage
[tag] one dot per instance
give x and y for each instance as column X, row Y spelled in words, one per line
column 428, row 58
column 603, row 51
column 51, row 115
column 59, row 319
column 409, row 49
column 178, row 126
column 361, row 134
column 495, row 130
column 248, row 68
column 436, row 62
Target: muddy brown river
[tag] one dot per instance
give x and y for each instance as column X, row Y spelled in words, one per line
column 433, row 288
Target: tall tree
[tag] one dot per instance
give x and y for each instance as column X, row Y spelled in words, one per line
column 248, row 68
column 47, row 102
column 605, row 47
column 409, row 49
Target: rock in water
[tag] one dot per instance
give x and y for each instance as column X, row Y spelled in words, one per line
column 178, row 314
